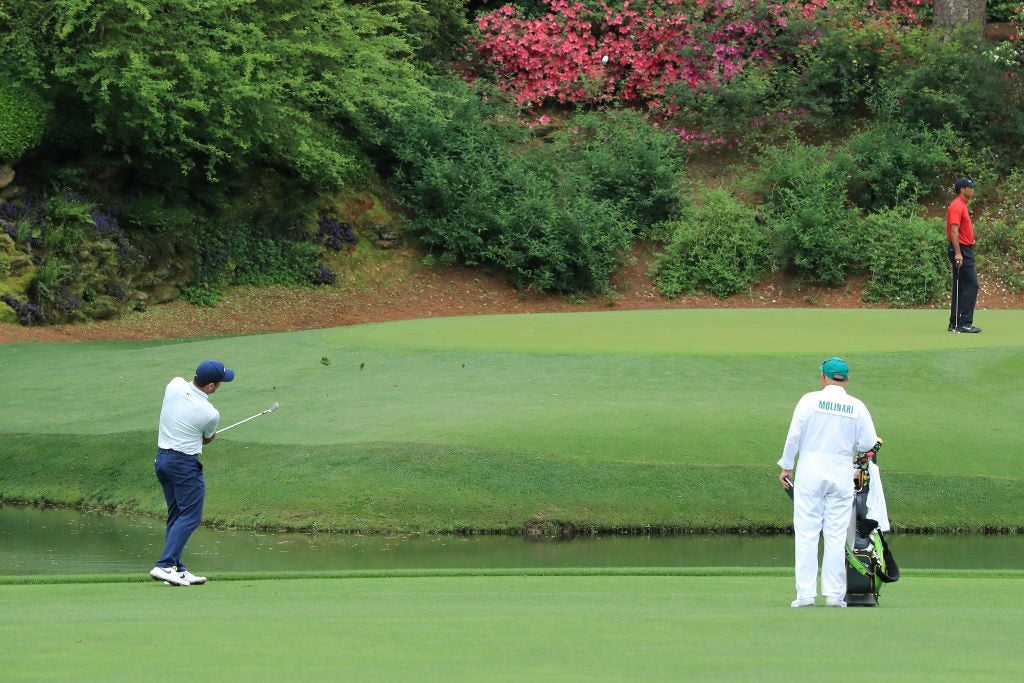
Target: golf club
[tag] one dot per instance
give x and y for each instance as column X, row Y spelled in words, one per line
column 271, row 409
column 956, row 299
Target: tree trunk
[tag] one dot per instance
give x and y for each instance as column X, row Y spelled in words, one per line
column 952, row 13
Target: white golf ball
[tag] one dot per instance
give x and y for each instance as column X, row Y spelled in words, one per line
column 604, row 60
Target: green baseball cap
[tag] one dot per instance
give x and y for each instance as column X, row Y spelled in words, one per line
column 835, row 368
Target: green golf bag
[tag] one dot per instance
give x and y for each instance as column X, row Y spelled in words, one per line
column 869, row 562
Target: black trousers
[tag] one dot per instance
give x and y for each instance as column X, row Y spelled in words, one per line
column 965, row 287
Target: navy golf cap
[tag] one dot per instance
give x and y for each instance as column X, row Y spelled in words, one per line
column 211, row 371
column 962, row 183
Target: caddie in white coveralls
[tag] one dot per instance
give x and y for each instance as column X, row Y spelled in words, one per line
column 828, row 427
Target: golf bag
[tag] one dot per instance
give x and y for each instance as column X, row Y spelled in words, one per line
column 869, row 562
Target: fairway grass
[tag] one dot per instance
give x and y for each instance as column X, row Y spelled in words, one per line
column 503, row 627
column 633, row 420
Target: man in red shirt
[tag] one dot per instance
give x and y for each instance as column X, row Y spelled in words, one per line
column 960, row 234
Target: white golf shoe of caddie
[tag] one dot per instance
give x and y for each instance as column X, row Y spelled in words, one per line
column 192, row 579
column 802, row 602
column 834, row 602
column 168, row 575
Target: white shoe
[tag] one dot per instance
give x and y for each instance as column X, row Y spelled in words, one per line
column 803, row 602
column 192, row 579
column 834, row 602
column 168, row 575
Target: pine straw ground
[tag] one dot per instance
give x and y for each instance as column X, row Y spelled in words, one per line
column 398, row 286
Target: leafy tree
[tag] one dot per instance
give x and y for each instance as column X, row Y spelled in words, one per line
column 211, row 85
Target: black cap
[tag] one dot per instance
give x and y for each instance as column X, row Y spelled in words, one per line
column 962, row 183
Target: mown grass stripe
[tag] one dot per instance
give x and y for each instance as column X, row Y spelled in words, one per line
column 910, row 574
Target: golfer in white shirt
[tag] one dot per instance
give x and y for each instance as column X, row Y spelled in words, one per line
column 828, row 427
column 188, row 421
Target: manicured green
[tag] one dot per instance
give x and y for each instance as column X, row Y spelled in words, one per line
column 613, row 626
column 646, row 419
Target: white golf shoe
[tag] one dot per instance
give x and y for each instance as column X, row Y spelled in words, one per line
column 802, row 602
column 168, row 575
column 192, row 579
column 834, row 602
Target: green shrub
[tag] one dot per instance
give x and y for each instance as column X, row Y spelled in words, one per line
column 455, row 173
column 239, row 253
column 202, row 292
column 569, row 244
column 716, row 245
column 837, row 71
column 67, row 219
column 747, row 111
column 1007, row 197
column 949, row 79
column 898, row 164
column 907, row 262
column 485, row 191
column 436, row 28
column 804, row 191
column 1001, row 10
column 52, row 281
column 263, row 261
column 626, row 160
column 22, row 120
column 1001, row 252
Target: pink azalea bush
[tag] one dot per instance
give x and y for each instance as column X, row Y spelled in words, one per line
column 636, row 53
column 578, row 53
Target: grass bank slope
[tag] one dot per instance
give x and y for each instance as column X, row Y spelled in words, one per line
column 638, row 419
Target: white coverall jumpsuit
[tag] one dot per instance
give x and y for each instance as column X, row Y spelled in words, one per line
column 828, row 427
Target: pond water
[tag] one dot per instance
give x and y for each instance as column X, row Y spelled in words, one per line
column 59, row 541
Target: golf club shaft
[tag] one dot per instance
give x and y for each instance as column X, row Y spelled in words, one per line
column 956, row 298
column 242, row 421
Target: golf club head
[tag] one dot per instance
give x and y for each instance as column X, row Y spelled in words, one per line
column 274, row 406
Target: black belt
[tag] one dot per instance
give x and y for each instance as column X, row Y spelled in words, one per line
column 171, row 451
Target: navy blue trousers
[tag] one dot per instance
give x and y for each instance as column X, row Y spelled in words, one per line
column 965, row 287
column 181, row 476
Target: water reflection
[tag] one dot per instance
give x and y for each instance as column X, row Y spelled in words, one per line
column 51, row 541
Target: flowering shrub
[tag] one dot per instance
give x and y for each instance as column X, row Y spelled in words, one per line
column 333, row 234
column 27, row 313
column 906, row 12
column 324, row 276
column 1010, row 53
column 85, row 267
column 725, row 72
column 633, row 53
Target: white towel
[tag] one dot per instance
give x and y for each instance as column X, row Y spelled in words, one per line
column 876, row 499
